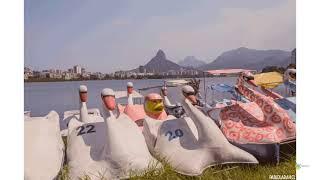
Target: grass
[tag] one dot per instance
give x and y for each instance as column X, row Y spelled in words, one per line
column 287, row 166
column 230, row 172
column 220, row 172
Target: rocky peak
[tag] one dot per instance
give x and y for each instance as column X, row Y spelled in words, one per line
column 160, row 55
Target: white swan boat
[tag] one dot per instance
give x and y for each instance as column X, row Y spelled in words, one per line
column 43, row 147
column 192, row 143
column 113, row 149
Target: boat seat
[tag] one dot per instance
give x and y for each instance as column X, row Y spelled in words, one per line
column 93, row 116
column 191, row 144
column 121, row 108
column 243, row 127
column 43, row 147
column 135, row 112
column 250, row 113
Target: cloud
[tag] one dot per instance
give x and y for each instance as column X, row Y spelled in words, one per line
column 271, row 28
column 125, row 40
column 121, row 22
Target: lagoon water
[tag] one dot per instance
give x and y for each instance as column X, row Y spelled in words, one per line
column 42, row 97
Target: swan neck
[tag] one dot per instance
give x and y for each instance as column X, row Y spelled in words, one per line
column 130, row 99
column 83, row 111
column 167, row 101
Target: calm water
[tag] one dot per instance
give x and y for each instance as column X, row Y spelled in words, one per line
column 42, row 97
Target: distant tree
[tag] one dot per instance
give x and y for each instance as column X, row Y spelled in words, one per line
column 273, row 69
column 291, row 66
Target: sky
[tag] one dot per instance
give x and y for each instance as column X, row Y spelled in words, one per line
column 111, row 35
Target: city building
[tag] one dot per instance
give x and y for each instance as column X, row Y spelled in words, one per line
column 55, row 76
column 142, row 69
column 85, row 75
column 83, row 70
column 97, row 75
column 27, row 73
column 44, row 74
column 36, row 74
column 58, row 71
column 120, row 74
column 77, row 69
column 77, row 72
column 67, row 76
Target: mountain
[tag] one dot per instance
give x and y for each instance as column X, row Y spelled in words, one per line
column 191, row 61
column 249, row 59
column 160, row 63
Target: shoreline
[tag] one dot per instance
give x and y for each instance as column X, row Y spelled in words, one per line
column 72, row 80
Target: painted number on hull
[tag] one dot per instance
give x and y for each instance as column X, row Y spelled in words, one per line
column 85, row 130
column 177, row 133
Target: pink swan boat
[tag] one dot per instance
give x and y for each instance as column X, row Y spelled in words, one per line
column 261, row 121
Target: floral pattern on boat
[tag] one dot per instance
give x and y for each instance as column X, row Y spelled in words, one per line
column 261, row 122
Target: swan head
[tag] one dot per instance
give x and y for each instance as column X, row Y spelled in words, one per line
column 129, row 87
column 83, row 93
column 108, row 99
column 164, row 91
column 247, row 75
column 290, row 74
column 189, row 93
column 153, row 104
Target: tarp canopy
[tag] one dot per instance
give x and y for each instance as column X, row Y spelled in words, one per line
column 168, row 83
column 123, row 94
column 177, row 82
column 219, row 72
column 268, row 80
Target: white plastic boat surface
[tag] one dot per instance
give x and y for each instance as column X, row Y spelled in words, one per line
column 43, row 147
column 114, row 149
column 190, row 149
column 93, row 116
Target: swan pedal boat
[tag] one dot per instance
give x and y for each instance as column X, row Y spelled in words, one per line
column 258, row 126
column 113, row 149
column 43, row 147
column 273, row 79
column 192, row 143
